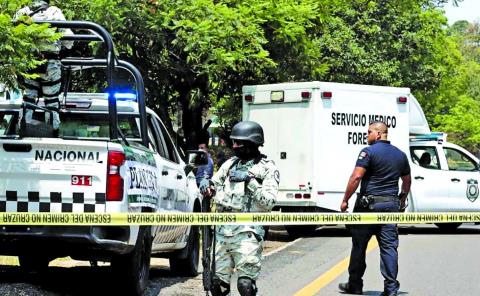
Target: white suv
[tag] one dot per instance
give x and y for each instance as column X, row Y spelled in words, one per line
column 445, row 178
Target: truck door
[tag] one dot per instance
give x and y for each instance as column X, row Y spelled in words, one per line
column 173, row 178
column 430, row 184
column 463, row 180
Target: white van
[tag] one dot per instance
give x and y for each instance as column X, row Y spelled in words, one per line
column 315, row 130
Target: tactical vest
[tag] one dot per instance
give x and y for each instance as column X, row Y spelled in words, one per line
column 235, row 197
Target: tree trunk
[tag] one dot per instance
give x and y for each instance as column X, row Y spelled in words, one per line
column 192, row 124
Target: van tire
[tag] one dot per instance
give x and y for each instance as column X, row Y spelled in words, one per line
column 186, row 262
column 36, row 263
column 448, row 226
column 132, row 270
column 296, row 231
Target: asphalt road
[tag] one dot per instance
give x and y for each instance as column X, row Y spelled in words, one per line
column 431, row 263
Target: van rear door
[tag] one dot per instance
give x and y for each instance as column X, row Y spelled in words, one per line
column 288, row 128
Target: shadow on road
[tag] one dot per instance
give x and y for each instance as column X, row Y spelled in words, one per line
column 80, row 280
column 342, row 231
column 434, row 230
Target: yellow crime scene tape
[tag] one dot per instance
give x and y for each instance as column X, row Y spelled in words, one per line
column 275, row 218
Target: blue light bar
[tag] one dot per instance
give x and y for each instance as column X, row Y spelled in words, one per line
column 125, row 96
column 434, row 136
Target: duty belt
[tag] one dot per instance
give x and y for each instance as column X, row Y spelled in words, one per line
column 383, row 198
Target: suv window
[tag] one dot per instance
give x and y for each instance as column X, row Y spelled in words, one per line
column 155, row 138
column 425, row 157
column 459, row 161
column 170, row 148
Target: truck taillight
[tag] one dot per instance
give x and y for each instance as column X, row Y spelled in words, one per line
column 327, row 95
column 114, row 180
column 402, row 100
column 306, row 95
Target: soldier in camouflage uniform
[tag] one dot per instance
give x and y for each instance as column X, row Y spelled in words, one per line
column 49, row 83
column 247, row 182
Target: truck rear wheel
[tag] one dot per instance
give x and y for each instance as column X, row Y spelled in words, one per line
column 132, row 270
column 448, row 226
column 186, row 262
column 296, row 231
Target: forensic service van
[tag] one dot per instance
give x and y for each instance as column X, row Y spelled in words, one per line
column 315, row 130
column 111, row 155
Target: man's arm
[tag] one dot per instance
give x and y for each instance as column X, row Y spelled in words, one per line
column 406, row 183
column 352, row 185
column 264, row 185
column 217, row 180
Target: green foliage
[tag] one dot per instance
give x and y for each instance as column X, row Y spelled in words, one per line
column 19, row 45
column 196, row 55
column 462, row 123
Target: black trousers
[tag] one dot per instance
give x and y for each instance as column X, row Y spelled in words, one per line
column 387, row 237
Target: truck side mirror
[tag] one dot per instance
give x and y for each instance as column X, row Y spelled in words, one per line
column 195, row 159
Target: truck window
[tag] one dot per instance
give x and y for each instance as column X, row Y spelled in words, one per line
column 7, row 121
column 78, row 125
column 425, row 157
column 170, row 148
column 459, row 161
column 155, row 138
column 95, row 125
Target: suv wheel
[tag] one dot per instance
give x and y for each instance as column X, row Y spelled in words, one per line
column 186, row 262
column 132, row 270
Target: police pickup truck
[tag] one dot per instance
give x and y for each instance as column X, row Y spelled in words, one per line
column 111, row 155
column 315, row 130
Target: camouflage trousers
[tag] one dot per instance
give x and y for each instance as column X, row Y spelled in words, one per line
column 241, row 253
column 48, row 86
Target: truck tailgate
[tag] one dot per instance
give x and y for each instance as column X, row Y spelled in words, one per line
column 52, row 175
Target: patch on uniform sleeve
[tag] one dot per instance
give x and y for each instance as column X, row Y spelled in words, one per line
column 362, row 155
column 276, row 175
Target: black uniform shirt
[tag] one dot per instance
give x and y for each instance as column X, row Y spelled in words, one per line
column 385, row 164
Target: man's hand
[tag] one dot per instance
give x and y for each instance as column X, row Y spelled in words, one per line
column 239, row 176
column 403, row 201
column 403, row 205
column 205, row 189
column 344, row 206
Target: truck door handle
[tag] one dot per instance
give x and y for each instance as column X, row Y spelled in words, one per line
column 179, row 177
column 17, row 147
column 419, row 178
column 455, row 180
column 164, row 173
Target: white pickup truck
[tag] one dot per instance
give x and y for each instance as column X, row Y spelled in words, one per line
column 315, row 130
column 91, row 167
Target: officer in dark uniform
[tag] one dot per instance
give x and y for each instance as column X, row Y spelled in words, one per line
column 379, row 167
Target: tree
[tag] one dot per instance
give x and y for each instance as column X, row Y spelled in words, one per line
column 462, row 123
column 19, row 44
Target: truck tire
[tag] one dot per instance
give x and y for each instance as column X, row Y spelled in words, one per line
column 296, row 231
column 186, row 262
column 36, row 263
column 448, row 226
column 132, row 270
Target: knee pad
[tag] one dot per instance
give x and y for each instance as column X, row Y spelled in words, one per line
column 220, row 288
column 246, row 286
